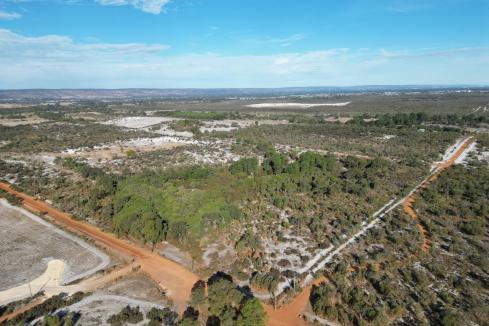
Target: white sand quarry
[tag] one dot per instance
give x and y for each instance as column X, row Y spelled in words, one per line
column 293, row 105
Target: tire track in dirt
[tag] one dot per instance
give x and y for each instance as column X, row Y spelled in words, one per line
column 411, row 198
column 291, row 314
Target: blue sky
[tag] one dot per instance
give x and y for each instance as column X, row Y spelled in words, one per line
column 246, row 43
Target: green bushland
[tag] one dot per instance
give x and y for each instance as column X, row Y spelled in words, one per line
column 58, row 136
column 419, row 118
column 226, row 303
column 176, row 204
column 128, row 315
column 447, row 285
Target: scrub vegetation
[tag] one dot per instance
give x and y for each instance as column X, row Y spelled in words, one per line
column 261, row 204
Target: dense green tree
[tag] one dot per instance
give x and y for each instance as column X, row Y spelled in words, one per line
column 275, row 164
column 198, row 294
column 224, row 299
column 251, row 314
column 244, row 165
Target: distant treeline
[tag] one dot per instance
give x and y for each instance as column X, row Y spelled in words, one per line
column 198, row 115
column 419, row 118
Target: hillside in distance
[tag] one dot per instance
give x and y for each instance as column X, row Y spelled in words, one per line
column 20, row 95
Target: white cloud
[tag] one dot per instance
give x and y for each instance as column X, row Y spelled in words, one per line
column 149, row 6
column 56, row 61
column 16, row 47
column 9, row 15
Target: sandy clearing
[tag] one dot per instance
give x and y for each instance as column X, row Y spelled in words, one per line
column 462, row 159
column 175, row 279
column 139, row 121
column 21, row 122
column 293, row 105
column 97, row 308
column 47, row 242
column 111, row 151
column 51, row 277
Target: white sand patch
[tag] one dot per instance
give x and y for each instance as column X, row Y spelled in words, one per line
column 213, row 156
column 167, row 131
column 218, row 252
column 110, row 151
column 157, row 142
column 68, row 275
column 138, row 122
column 452, row 149
column 51, row 277
column 171, row 252
column 230, row 125
column 294, row 105
column 463, row 158
column 20, row 122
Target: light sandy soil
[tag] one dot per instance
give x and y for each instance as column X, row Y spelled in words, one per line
column 300, row 150
column 135, row 290
column 293, row 105
column 176, row 280
column 14, row 105
column 28, row 243
column 291, row 314
column 338, row 119
column 51, row 277
column 89, row 115
column 139, row 122
column 111, row 151
column 18, row 122
column 229, row 125
column 97, row 308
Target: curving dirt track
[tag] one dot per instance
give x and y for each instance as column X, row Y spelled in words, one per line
column 291, row 314
column 411, row 198
column 176, row 280
column 22, row 309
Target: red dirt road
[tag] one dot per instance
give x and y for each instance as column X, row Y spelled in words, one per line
column 176, row 280
column 408, row 203
column 291, row 314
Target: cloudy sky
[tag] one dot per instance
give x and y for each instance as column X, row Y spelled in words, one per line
column 242, row 43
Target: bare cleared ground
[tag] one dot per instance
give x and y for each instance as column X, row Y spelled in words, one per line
column 134, row 290
column 174, row 278
column 30, row 120
column 139, row 122
column 27, row 244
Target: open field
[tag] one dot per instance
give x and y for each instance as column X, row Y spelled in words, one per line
column 28, row 244
column 29, row 120
column 134, row 290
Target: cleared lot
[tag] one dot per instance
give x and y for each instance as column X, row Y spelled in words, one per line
column 135, row 290
column 28, row 243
